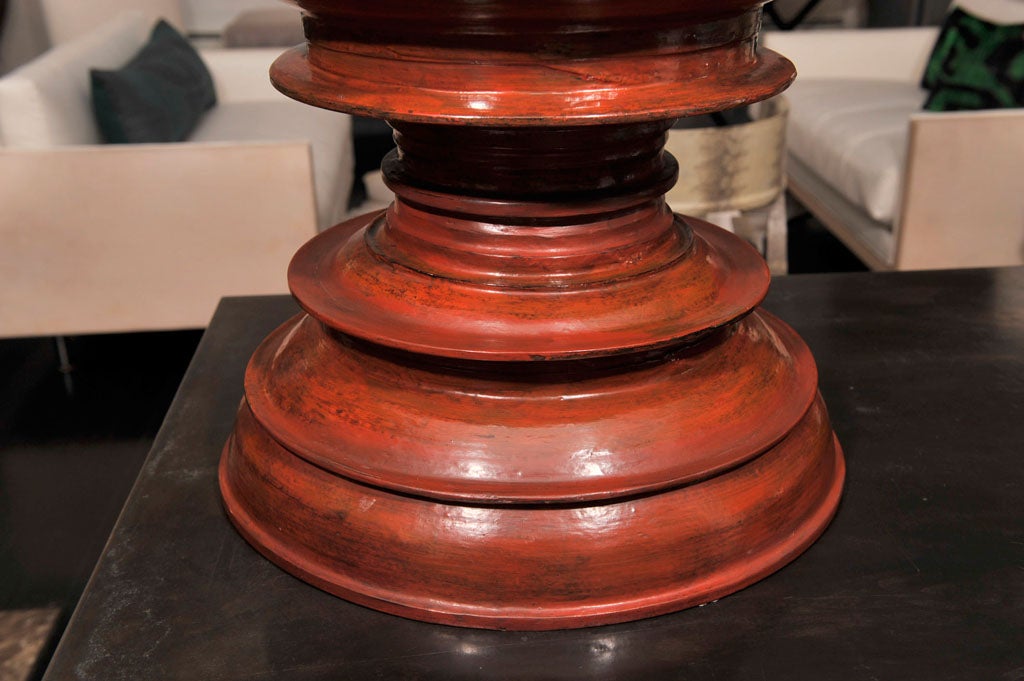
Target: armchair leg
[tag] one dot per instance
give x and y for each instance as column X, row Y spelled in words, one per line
column 723, row 218
column 775, row 251
column 65, row 365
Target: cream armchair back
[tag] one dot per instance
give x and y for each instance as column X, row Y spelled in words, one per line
column 110, row 238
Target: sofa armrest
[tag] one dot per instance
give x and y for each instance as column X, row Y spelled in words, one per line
column 896, row 54
column 963, row 199
column 137, row 237
column 242, row 75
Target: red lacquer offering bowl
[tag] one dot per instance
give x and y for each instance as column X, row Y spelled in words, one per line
column 527, row 395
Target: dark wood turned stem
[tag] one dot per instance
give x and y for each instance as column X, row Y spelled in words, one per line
column 515, row 207
column 572, row 163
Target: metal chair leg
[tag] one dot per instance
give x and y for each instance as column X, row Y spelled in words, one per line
column 65, row 365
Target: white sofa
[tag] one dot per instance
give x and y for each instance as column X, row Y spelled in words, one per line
column 109, row 238
column 901, row 187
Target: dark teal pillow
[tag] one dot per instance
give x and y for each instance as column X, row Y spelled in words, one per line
column 975, row 64
column 158, row 96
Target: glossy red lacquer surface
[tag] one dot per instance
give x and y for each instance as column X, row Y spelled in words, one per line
column 526, row 395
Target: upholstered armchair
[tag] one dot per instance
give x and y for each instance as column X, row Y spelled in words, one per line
column 903, row 188
column 120, row 237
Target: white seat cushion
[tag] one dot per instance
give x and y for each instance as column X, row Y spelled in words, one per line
column 853, row 134
column 328, row 132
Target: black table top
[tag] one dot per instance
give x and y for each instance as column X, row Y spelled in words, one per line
column 920, row 576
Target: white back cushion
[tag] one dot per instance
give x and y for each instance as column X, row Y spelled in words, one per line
column 47, row 102
column 67, row 20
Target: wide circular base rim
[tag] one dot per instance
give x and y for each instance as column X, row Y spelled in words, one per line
column 710, row 587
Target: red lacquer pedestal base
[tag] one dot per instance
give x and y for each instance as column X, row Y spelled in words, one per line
column 527, row 396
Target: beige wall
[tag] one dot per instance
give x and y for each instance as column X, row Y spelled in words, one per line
column 67, row 20
column 25, row 35
column 211, row 16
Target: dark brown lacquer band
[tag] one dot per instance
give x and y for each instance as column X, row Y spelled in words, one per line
column 526, row 395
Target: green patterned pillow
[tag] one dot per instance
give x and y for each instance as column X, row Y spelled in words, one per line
column 975, row 65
